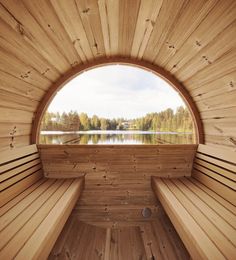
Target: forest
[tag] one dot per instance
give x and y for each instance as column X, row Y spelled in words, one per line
column 164, row 121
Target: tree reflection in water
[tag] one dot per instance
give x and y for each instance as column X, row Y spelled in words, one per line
column 117, row 137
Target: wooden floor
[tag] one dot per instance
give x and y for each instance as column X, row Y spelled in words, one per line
column 153, row 240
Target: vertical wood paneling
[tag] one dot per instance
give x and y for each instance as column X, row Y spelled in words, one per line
column 89, row 13
column 154, row 240
column 146, row 20
column 128, row 12
column 69, row 16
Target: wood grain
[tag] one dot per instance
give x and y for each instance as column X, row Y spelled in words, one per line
column 117, row 184
column 41, row 42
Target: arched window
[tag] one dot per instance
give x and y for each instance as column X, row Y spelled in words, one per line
column 118, row 104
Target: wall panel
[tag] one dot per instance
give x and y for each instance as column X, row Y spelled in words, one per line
column 117, row 185
column 193, row 40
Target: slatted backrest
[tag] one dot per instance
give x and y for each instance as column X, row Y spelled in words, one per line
column 216, row 169
column 19, row 169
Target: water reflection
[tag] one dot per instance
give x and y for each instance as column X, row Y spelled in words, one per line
column 115, row 137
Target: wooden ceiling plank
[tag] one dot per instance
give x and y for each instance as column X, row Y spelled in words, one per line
column 9, row 64
column 163, row 25
column 191, row 16
column 221, row 129
column 146, row 20
column 221, row 44
column 222, row 14
column 219, row 140
column 14, row 85
column 229, row 112
column 105, row 27
column 215, row 102
column 47, row 19
column 226, row 83
column 70, row 18
column 113, row 25
column 17, row 101
column 222, row 66
column 13, row 42
column 32, row 32
column 89, row 13
column 128, row 13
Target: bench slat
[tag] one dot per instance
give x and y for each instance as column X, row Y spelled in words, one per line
column 209, row 229
column 24, row 203
column 210, row 201
column 46, row 241
column 14, row 164
column 215, row 226
column 215, row 196
column 231, row 184
column 17, row 153
column 219, row 153
column 20, row 238
column 13, row 172
column 19, row 187
column 224, row 172
column 217, row 162
column 186, row 226
column 9, row 182
column 20, row 197
column 25, row 216
column 216, row 186
column 33, row 208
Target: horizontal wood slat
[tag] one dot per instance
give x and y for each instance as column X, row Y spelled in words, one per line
column 41, row 42
column 186, row 226
column 194, row 217
column 32, row 207
column 206, row 200
column 117, row 177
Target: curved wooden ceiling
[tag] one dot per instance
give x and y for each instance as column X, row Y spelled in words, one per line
column 194, row 40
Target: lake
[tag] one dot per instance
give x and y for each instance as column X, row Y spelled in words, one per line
column 115, row 137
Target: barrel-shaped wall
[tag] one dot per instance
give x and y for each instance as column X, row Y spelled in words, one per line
column 194, row 41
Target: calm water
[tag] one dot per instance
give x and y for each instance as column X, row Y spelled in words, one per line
column 115, row 137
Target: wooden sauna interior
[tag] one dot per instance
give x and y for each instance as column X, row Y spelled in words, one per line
column 101, row 195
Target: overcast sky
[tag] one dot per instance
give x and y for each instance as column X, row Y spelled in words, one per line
column 116, row 91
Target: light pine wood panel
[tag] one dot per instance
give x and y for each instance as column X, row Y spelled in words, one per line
column 216, row 49
column 165, row 21
column 215, row 102
column 193, row 40
column 192, row 15
column 128, row 11
column 117, row 185
column 209, row 73
column 14, row 43
column 17, row 129
column 35, row 34
column 146, row 20
column 69, row 16
column 154, row 240
column 89, row 13
column 14, row 66
column 17, row 86
column 226, row 83
column 222, row 13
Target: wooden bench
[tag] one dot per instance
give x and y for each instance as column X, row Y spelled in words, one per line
column 34, row 209
column 203, row 207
